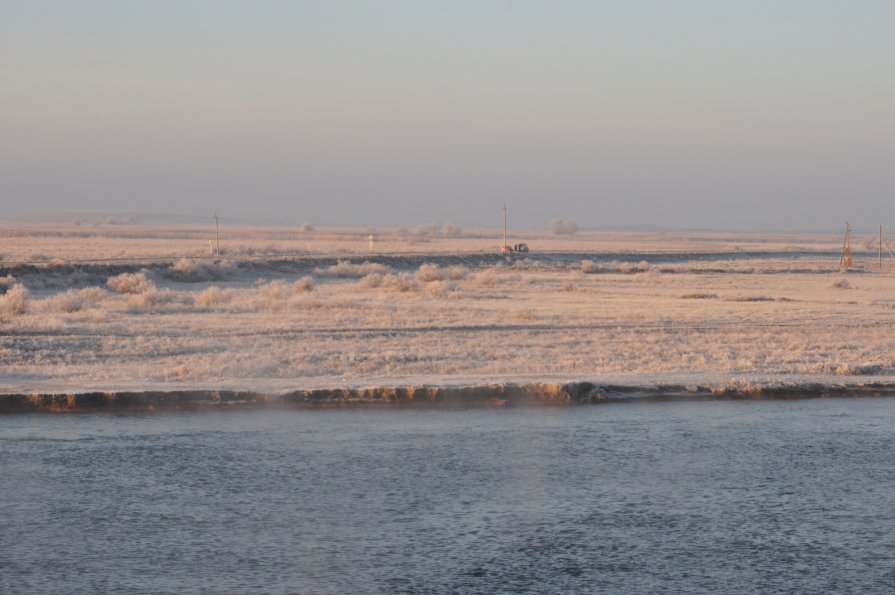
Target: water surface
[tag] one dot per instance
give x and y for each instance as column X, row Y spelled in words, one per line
column 677, row 497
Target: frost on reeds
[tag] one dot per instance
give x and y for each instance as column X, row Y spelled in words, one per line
column 304, row 284
column 589, row 266
column 67, row 301
column 486, row 277
column 428, row 273
column 212, row 297
column 130, row 283
column 441, row 289
column 398, row 283
column 190, row 271
column 348, row 270
column 15, row 301
column 277, row 295
column 155, row 298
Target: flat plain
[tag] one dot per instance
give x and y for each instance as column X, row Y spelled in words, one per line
column 130, row 307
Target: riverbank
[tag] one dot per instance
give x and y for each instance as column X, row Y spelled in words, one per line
column 489, row 395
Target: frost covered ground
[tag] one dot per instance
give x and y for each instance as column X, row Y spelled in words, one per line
column 421, row 308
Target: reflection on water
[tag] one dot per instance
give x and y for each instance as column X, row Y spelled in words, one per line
column 690, row 497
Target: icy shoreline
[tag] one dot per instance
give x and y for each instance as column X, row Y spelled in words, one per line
column 487, row 395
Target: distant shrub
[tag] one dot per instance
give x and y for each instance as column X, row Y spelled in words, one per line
column 191, row 271
column 212, row 297
column 14, row 301
column 589, row 266
column 93, row 294
column 273, row 295
column 429, row 272
column 841, row 284
column 441, row 289
column 425, row 230
column 303, row 285
column 153, row 298
column 699, row 296
column 131, row 283
column 68, row 301
column 348, row 270
column 398, row 283
column 562, row 227
column 567, row 286
column 372, row 280
column 450, row 230
column 306, row 227
column 485, row 277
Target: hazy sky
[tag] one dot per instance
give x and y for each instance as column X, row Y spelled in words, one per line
column 760, row 114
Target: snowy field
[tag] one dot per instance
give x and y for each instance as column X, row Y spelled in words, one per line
column 125, row 307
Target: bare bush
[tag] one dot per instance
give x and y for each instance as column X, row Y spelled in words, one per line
column 485, row 278
column 14, row 301
column 273, row 295
column 94, row 294
column 347, row 270
column 589, row 266
column 303, row 285
column 212, row 297
column 429, row 272
column 372, row 280
column 399, row 283
column 68, row 301
column 190, row 271
column 841, row 284
column 563, row 227
column 440, row 289
column 154, row 298
column 130, row 283
column 306, row 227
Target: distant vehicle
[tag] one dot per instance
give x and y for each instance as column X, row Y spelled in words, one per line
column 514, row 248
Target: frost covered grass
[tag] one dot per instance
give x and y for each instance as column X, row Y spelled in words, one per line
column 15, row 301
column 696, row 315
column 133, row 283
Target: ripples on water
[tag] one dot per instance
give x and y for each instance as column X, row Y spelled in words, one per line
column 686, row 497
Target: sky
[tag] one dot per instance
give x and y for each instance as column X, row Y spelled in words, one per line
column 760, row 115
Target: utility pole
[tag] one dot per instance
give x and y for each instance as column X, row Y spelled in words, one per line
column 504, row 247
column 880, row 246
column 217, row 236
column 845, row 260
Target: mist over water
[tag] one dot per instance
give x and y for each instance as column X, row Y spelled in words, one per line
column 683, row 497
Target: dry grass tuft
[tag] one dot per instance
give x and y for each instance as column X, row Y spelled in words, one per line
column 303, row 285
column 347, row 270
column 67, row 301
column 190, row 271
column 841, row 284
column 429, row 273
column 15, row 301
column 130, row 283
